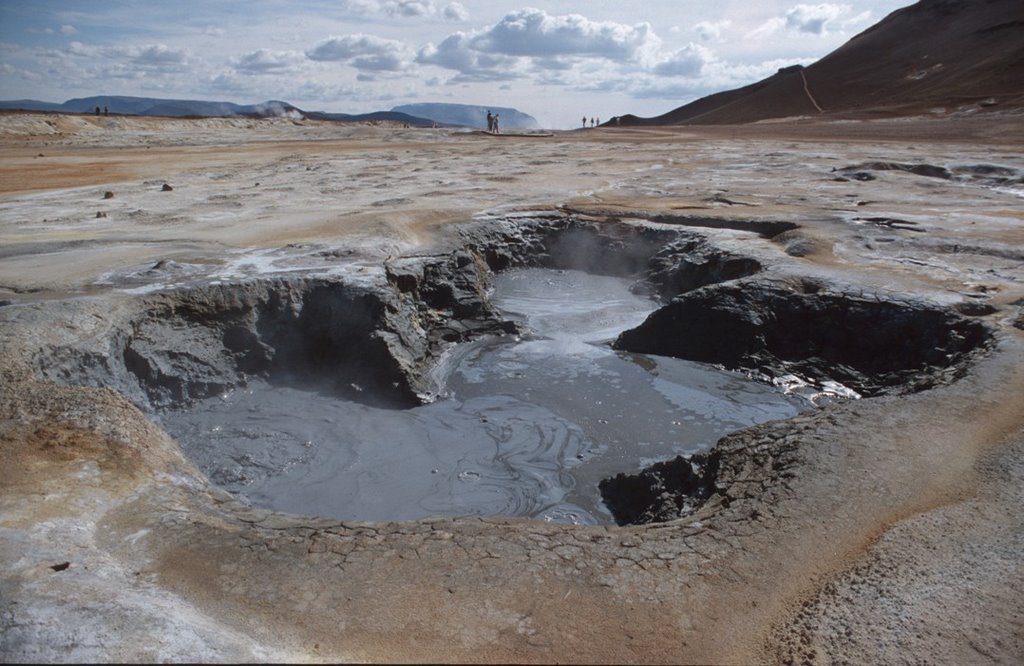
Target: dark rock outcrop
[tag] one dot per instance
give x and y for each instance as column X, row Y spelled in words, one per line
column 664, row 491
column 193, row 344
column 667, row 260
column 868, row 342
column 691, row 263
column 450, row 293
column 760, row 462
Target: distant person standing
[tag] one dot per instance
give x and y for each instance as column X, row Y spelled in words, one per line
column 490, row 121
column 497, row 130
column 598, row 122
column 106, row 111
column 97, row 110
column 584, row 122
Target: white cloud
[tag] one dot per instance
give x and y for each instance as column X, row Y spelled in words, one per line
column 362, row 51
column 711, row 31
column 814, row 18
column 531, row 41
column 818, row 20
column 10, row 71
column 68, row 30
column 457, row 52
column 150, row 57
column 715, row 75
column 454, row 11
column 533, row 32
column 264, row 61
column 157, row 56
column 80, row 49
column 359, row 6
column 688, row 61
column 225, row 84
column 409, row 8
column 557, row 64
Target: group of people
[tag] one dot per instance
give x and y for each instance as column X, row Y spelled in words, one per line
column 492, row 123
column 596, row 122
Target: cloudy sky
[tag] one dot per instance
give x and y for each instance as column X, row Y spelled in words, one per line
column 556, row 60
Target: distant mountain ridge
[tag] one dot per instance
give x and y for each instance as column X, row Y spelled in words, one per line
column 469, row 115
column 416, row 115
column 932, row 54
column 151, row 106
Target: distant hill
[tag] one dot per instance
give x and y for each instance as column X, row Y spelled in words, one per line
column 29, row 105
column 388, row 116
column 470, row 116
column 414, row 115
column 149, row 106
column 180, row 108
column 935, row 53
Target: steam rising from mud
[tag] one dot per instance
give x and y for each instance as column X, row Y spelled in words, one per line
column 306, row 394
column 528, row 428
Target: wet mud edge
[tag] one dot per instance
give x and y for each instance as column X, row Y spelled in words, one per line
column 376, row 341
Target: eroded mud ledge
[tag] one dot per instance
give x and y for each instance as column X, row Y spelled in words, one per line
column 120, row 550
column 373, row 337
column 375, row 340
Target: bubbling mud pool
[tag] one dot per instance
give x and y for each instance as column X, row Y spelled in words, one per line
column 527, row 427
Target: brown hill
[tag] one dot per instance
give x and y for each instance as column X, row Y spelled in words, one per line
column 935, row 53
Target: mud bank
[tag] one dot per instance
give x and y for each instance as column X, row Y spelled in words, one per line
column 372, row 335
column 870, row 343
column 880, row 529
column 524, row 425
column 376, row 341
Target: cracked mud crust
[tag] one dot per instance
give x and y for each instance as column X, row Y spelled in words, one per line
column 882, row 530
column 962, row 556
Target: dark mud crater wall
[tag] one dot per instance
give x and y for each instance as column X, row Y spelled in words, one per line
column 665, row 260
column 870, row 343
column 374, row 339
column 371, row 340
column 199, row 342
column 194, row 343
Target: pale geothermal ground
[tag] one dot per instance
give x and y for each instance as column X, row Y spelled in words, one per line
column 896, row 536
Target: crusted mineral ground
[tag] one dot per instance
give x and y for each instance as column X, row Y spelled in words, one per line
column 884, row 255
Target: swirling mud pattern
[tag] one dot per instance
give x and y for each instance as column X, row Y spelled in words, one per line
column 528, row 426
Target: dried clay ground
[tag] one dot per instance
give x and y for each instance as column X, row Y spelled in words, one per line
column 894, row 533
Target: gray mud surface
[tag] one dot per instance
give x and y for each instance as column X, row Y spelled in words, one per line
column 527, row 426
column 880, row 258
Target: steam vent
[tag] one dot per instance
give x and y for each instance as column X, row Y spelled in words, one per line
column 706, row 389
